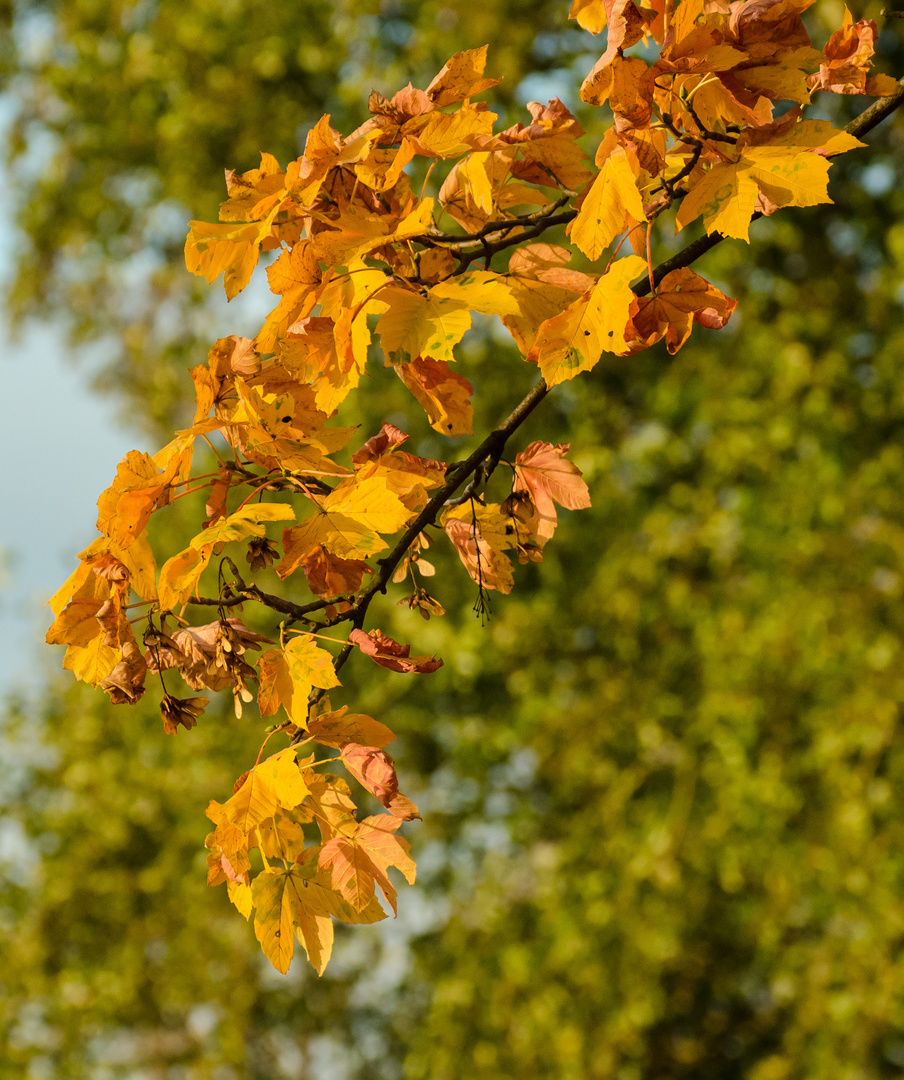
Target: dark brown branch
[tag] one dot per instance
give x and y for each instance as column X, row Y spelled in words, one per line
column 344, row 653
column 453, row 242
column 491, row 448
column 489, row 249
column 879, row 109
column 296, row 612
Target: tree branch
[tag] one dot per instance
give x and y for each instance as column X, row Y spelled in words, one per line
column 296, row 612
column 492, row 446
column 454, row 242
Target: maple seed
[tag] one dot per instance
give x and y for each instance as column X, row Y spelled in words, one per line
column 184, row 711
column 261, row 553
column 423, row 604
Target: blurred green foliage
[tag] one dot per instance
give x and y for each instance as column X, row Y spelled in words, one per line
column 663, row 788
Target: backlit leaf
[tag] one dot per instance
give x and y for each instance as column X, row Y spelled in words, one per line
column 543, row 470
column 444, row 395
column 595, row 323
column 341, row 727
column 309, row 663
column 230, row 249
column 245, row 522
column 604, row 211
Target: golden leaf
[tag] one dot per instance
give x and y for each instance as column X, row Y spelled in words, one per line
column 595, row 323
column 606, row 207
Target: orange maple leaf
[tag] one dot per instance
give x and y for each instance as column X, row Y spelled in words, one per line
column 681, row 299
column 545, row 473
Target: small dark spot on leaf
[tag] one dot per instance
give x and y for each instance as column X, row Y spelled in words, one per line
column 286, row 419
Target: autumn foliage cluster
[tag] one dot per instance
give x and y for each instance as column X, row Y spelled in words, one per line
column 389, row 239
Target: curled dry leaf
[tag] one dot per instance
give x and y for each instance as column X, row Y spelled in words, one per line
column 682, row 299
column 390, row 654
column 387, row 438
column 373, row 768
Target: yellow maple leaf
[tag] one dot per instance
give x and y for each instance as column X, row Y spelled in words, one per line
column 475, row 177
column 383, row 166
column 416, row 324
column 240, row 895
column 309, row 664
column 277, row 688
column 176, row 457
column 574, row 340
column 248, row 521
column 784, row 77
column 76, row 624
column 124, row 508
column 279, row 898
column 606, row 207
column 432, row 322
column 354, row 233
column 786, row 164
column 137, row 558
column 249, row 192
column 590, row 14
column 296, row 277
column 324, row 149
column 282, row 773
column 228, row 249
column 348, row 523
column 479, row 534
column 789, row 179
column 270, row 785
column 447, row 135
column 725, row 196
column 76, row 580
column 460, row 78
column 179, row 576
column 92, row 654
column 369, row 503
column 93, row 662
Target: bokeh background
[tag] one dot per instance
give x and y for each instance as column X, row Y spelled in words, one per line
column 663, row 788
